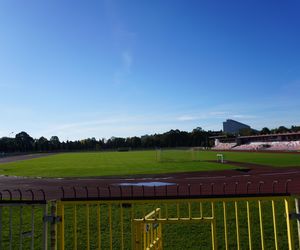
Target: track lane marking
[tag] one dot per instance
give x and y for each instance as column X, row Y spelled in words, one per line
column 284, row 173
column 205, row 177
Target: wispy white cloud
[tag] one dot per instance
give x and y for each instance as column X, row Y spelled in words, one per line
column 98, row 124
column 212, row 114
column 244, row 116
column 187, row 118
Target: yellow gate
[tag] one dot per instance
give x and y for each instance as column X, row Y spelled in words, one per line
column 148, row 231
column 232, row 222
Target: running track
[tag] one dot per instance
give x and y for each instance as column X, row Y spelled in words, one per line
column 258, row 179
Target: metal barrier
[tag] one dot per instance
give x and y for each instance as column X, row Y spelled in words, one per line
column 258, row 222
column 22, row 225
column 149, row 231
column 263, row 221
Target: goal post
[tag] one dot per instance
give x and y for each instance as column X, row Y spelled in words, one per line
column 220, row 158
column 177, row 154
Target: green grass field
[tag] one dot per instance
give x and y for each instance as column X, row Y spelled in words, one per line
column 176, row 236
column 138, row 162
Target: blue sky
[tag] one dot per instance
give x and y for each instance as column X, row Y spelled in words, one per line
column 79, row 69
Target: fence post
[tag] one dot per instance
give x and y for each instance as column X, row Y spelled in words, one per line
column 287, row 202
column 45, row 228
column 297, row 205
column 0, row 227
column 53, row 233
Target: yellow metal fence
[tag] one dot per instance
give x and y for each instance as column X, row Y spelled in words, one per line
column 241, row 222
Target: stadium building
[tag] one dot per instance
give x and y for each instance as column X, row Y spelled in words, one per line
column 234, row 127
column 268, row 142
column 232, row 140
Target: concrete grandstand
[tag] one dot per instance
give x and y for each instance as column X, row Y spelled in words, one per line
column 269, row 142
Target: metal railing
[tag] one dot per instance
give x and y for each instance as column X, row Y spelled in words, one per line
column 160, row 221
column 22, row 226
column 256, row 221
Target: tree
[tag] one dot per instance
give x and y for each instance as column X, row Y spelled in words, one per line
column 265, row 131
column 7, row 144
column 24, row 142
column 199, row 137
column 282, row 129
column 245, row 132
column 55, row 143
column 42, row 144
column 295, row 128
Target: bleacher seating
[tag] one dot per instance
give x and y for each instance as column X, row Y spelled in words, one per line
column 251, row 146
column 276, row 146
column 224, row 146
column 285, row 145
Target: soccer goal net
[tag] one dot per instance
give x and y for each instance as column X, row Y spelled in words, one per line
column 178, row 155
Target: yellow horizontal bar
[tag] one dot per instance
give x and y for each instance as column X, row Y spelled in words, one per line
column 174, row 201
column 173, row 218
column 167, row 221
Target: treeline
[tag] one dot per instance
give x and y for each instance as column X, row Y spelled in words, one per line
column 23, row 142
column 266, row 131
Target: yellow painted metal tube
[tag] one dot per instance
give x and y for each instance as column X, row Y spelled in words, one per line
column 160, row 232
column 166, row 207
column 152, row 213
column 87, row 217
column 75, row 227
column 176, row 221
column 61, row 225
column 213, row 227
column 132, row 226
column 288, row 223
column 225, row 225
column 99, row 226
column 201, row 210
column 298, row 222
column 249, row 225
column 151, row 234
column 274, row 225
column 136, row 235
column 110, row 227
column 58, row 227
column 261, row 226
column 237, row 224
column 122, row 226
column 179, row 201
column 145, row 236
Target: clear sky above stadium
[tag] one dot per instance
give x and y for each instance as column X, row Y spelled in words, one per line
column 78, row 69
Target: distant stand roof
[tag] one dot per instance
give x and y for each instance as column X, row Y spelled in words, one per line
column 270, row 135
column 256, row 136
column 218, row 136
